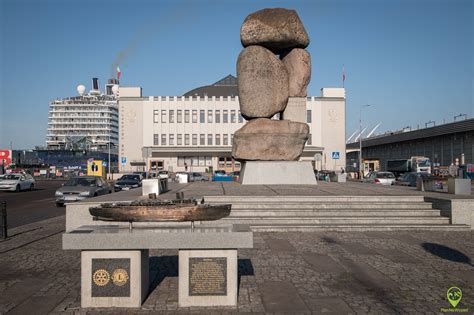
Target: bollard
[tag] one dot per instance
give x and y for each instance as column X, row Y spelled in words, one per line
column 3, row 220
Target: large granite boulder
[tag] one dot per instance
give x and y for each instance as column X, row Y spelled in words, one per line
column 276, row 29
column 270, row 140
column 298, row 65
column 262, row 83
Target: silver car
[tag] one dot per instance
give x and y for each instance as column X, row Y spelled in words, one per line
column 17, row 182
column 80, row 188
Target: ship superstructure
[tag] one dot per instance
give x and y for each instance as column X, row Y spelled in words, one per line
column 87, row 121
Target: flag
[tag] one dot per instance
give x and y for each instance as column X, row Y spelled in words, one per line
column 343, row 75
column 118, row 73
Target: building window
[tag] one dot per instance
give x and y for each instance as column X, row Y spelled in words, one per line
column 171, row 139
column 156, row 113
column 186, row 116
column 309, row 142
column 179, row 114
column 225, row 116
column 241, row 118
column 156, row 139
column 232, row 139
column 232, row 116
column 195, row 116
column 186, row 139
column 179, row 139
column 202, row 139
column 209, row 116
column 163, row 139
column 218, row 116
column 195, row 139
column 163, row 116
column 202, row 117
column 209, row 139
column 171, row 117
column 308, row 116
column 218, row 139
column 225, row 139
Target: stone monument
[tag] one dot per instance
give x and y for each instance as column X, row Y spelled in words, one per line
column 273, row 71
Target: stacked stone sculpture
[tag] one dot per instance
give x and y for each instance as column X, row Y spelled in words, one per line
column 273, row 67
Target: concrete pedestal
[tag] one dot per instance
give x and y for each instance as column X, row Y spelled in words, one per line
column 114, row 278
column 459, row 186
column 277, row 173
column 207, row 278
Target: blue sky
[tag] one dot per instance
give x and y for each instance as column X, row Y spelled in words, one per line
column 413, row 59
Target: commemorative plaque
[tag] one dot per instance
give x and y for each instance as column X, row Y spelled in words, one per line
column 111, row 277
column 207, row 276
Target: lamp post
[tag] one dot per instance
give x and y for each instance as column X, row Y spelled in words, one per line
column 109, row 158
column 361, row 172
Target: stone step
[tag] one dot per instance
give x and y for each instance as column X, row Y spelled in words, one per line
column 311, row 199
column 336, row 220
column 332, row 212
column 348, row 205
column 356, row 227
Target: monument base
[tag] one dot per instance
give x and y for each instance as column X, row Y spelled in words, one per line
column 277, row 173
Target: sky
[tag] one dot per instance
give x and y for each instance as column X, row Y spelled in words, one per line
column 412, row 60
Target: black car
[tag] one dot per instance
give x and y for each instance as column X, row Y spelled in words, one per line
column 128, row 181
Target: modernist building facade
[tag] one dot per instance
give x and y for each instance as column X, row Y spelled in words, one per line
column 195, row 132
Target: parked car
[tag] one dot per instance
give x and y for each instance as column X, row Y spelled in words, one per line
column 80, row 188
column 381, row 178
column 409, row 179
column 128, row 181
column 143, row 175
column 325, row 175
column 17, row 182
column 197, row 177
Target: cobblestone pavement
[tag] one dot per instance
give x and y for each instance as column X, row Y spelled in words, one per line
column 323, row 272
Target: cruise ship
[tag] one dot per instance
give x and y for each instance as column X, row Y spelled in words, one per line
column 88, row 121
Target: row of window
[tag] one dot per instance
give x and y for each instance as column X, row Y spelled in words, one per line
column 192, row 116
column 192, row 139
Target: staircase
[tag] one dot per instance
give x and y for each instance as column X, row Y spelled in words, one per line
column 333, row 213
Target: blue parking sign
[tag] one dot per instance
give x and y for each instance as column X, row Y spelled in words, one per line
column 124, row 160
column 335, row 155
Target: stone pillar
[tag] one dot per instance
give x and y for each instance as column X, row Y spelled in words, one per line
column 114, row 278
column 207, row 277
column 295, row 109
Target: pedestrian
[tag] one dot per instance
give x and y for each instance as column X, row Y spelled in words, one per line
column 342, row 170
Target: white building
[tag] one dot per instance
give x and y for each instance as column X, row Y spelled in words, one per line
column 194, row 132
column 85, row 121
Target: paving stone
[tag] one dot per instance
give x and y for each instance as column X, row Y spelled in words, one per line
column 281, row 296
column 280, row 245
column 37, row 305
column 397, row 256
column 329, row 305
column 367, row 275
column 322, row 263
column 358, row 249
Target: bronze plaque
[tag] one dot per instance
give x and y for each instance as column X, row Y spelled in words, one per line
column 110, row 277
column 207, row 276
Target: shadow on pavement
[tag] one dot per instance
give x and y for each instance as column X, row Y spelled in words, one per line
column 447, row 253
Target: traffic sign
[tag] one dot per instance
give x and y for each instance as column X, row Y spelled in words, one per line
column 104, row 163
column 124, row 160
column 335, row 155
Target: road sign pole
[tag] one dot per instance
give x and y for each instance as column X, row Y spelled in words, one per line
column 3, row 220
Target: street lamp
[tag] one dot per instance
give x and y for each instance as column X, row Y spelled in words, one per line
column 460, row 115
column 361, row 172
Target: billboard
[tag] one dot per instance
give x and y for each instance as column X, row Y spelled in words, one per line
column 5, row 158
column 94, row 168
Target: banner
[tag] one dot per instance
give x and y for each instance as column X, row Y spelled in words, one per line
column 94, row 168
column 5, row 158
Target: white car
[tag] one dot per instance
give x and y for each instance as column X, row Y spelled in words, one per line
column 17, row 182
column 381, row 178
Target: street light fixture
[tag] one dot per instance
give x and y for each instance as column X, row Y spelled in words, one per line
column 430, row 122
column 460, row 115
column 361, row 172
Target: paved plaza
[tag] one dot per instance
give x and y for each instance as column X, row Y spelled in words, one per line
column 319, row 273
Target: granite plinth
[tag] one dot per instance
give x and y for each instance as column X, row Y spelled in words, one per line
column 109, row 237
column 277, row 173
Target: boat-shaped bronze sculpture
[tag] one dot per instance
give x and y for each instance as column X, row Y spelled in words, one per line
column 155, row 210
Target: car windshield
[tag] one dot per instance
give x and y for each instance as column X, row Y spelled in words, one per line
column 424, row 163
column 81, row 182
column 14, row 177
column 385, row 175
column 130, row 177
